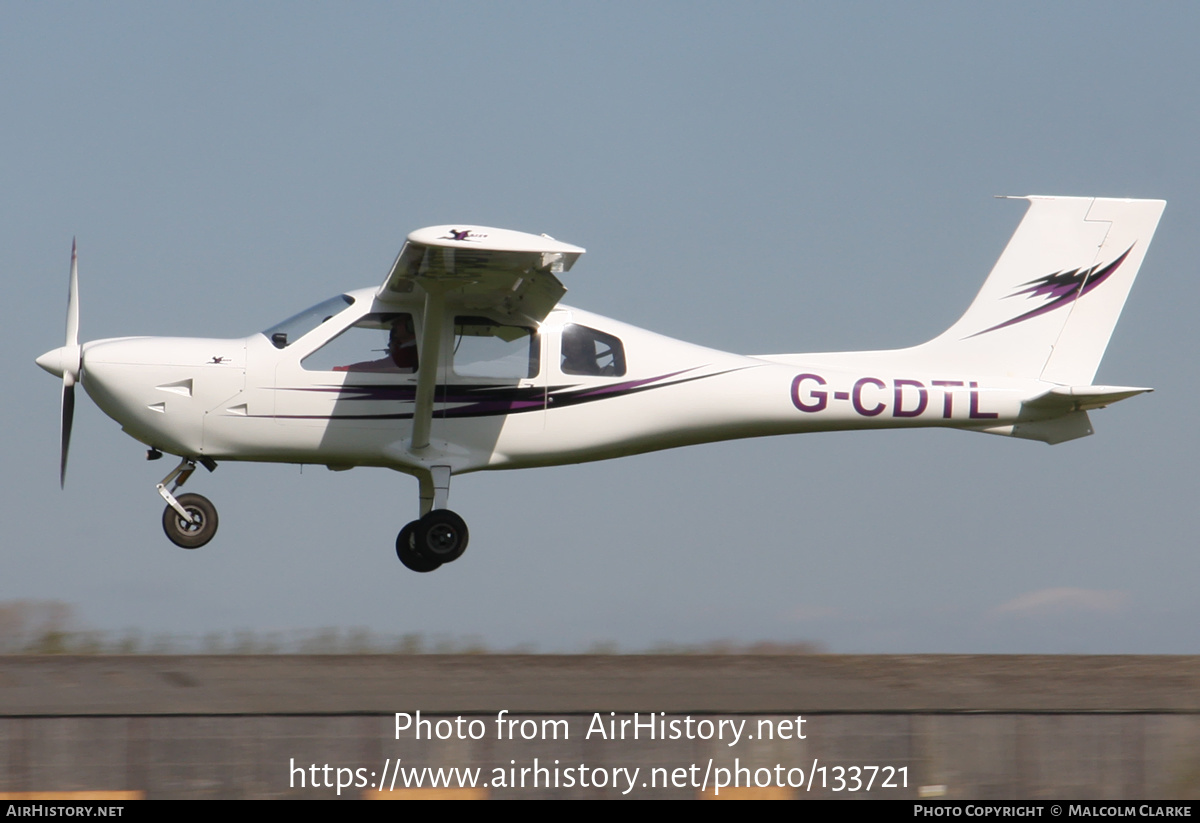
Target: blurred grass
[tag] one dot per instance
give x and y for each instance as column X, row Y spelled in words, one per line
column 51, row 627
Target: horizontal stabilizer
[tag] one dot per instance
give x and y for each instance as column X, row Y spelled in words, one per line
column 1070, row 426
column 1061, row 414
column 1082, row 398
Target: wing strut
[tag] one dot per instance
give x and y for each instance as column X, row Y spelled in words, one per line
column 430, row 358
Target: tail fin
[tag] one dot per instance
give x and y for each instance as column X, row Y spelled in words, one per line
column 1049, row 306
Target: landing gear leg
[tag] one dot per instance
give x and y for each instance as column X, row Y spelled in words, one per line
column 189, row 520
column 440, row 536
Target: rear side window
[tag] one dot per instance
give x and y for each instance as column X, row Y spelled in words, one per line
column 587, row 351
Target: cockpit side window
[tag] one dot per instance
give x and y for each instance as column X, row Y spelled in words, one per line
column 587, row 351
column 485, row 348
column 381, row 342
column 289, row 331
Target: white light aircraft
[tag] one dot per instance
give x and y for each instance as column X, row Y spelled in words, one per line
column 464, row 360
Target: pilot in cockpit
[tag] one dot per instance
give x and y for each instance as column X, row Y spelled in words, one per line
column 401, row 351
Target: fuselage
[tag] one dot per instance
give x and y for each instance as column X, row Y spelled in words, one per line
column 322, row 391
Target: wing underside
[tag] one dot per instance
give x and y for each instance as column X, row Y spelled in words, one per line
column 508, row 274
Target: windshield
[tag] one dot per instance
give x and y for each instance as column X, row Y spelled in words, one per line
column 295, row 327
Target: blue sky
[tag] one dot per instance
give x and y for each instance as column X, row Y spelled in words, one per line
column 757, row 178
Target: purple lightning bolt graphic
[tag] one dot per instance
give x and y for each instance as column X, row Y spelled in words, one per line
column 1062, row 288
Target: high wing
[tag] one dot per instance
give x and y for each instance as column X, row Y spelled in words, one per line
column 509, row 275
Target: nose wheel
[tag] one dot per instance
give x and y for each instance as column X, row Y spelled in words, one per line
column 190, row 520
column 439, row 537
column 199, row 530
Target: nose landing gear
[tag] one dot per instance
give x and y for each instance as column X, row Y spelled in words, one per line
column 189, row 520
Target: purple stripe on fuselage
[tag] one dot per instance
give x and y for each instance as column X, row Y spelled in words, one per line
column 487, row 400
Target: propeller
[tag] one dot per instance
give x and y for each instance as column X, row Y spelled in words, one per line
column 67, row 362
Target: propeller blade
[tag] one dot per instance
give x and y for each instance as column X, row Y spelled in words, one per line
column 68, row 415
column 71, row 359
column 73, row 301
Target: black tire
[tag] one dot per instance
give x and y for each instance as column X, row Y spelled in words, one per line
column 441, row 535
column 406, row 550
column 191, row 535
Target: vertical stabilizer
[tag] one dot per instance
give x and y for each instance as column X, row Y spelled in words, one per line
column 1049, row 306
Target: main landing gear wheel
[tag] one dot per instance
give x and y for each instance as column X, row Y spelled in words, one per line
column 441, row 535
column 202, row 528
column 438, row 537
column 406, row 550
